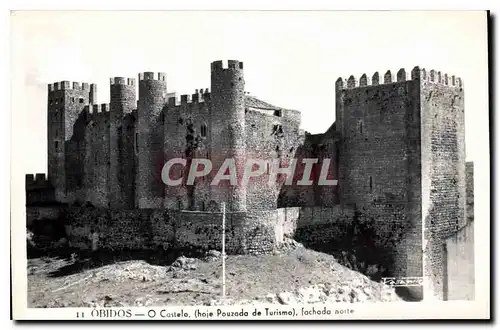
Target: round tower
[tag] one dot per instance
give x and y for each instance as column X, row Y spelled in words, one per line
column 228, row 131
column 122, row 102
column 149, row 139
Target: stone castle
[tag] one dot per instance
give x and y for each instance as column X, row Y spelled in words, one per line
column 397, row 145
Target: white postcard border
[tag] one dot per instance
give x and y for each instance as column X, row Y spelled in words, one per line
column 423, row 310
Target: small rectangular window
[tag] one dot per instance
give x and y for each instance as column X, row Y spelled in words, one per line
column 136, row 142
column 81, row 100
column 56, row 145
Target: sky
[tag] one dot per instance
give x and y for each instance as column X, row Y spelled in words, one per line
column 291, row 59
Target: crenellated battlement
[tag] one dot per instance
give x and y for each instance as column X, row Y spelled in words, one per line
column 231, row 65
column 185, row 99
column 440, row 78
column 36, row 180
column 161, row 76
column 432, row 76
column 173, row 101
column 97, row 108
column 122, row 81
column 38, row 189
column 200, row 96
column 66, row 85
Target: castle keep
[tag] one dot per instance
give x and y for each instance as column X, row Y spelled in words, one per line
column 397, row 148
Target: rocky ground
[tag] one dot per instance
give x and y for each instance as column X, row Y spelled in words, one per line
column 291, row 275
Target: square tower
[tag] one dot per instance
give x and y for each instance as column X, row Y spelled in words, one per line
column 65, row 119
column 402, row 167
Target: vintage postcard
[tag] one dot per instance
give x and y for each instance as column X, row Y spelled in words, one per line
column 253, row 165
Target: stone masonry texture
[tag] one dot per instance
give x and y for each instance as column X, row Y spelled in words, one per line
column 397, row 149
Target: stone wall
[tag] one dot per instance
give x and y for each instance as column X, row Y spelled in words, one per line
column 97, row 155
column 246, row 233
column 324, row 148
column 118, row 229
column 269, row 137
column 469, row 167
column 39, row 190
column 187, row 135
column 459, row 270
column 443, row 171
column 322, row 228
column 36, row 213
column 378, row 120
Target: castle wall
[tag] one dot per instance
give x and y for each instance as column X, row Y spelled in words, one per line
column 255, row 233
column 324, row 148
column 128, row 160
column 469, row 168
column 380, row 164
column 325, row 228
column 443, row 170
column 36, row 213
column 75, row 159
column 187, row 136
column 269, row 137
column 39, row 190
column 97, row 157
column 119, row 229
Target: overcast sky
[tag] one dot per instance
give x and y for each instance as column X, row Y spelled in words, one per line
column 292, row 59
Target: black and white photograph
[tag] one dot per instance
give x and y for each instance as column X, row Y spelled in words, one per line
column 263, row 165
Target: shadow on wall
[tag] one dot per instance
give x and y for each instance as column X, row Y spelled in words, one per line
column 355, row 241
column 352, row 243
